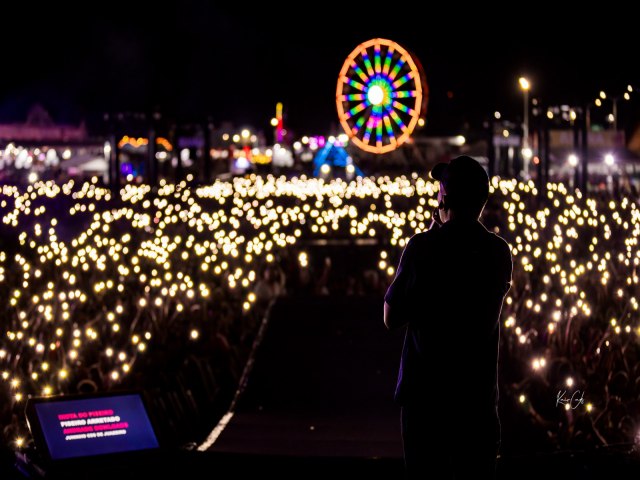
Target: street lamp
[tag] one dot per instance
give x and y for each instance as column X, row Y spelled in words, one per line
column 614, row 109
column 573, row 161
column 610, row 161
column 613, row 116
column 525, row 85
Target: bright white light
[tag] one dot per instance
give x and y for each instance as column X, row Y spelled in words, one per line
column 603, row 95
column 66, row 154
column 282, row 157
column 274, row 122
column 325, row 168
column 33, row 177
column 375, row 95
column 350, row 168
column 497, row 115
column 527, row 153
column 609, row 159
column 245, row 133
column 459, row 140
column 573, row 160
column 524, row 83
column 343, row 138
column 242, row 163
column 51, row 158
column 569, row 382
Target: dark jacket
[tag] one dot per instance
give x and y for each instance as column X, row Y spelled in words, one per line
column 449, row 290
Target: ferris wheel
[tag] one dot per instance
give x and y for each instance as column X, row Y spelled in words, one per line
column 381, row 95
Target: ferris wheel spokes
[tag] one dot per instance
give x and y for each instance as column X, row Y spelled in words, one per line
column 380, row 95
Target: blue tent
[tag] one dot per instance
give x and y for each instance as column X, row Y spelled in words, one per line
column 336, row 157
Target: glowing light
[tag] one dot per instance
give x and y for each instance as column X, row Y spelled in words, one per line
column 569, row 241
column 375, row 95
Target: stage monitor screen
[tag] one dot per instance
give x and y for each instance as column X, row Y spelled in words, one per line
column 73, row 427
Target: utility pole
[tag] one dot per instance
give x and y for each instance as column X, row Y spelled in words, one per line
column 206, row 154
column 584, row 158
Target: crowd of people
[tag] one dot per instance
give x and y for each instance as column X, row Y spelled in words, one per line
column 164, row 290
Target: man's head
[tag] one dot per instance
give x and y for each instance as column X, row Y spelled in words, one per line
column 464, row 187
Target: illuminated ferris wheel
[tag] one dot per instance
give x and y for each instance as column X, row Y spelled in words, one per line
column 381, row 95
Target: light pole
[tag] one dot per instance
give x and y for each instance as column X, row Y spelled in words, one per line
column 613, row 116
column 525, row 85
column 610, row 161
column 614, row 108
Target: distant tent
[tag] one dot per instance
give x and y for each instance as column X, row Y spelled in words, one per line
column 40, row 129
column 86, row 163
column 336, row 157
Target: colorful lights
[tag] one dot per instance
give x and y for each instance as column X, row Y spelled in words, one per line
column 575, row 274
column 379, row 103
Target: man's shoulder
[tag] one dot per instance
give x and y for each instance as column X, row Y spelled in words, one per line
column 501, row 251
column 500, row 242
column 421, row 239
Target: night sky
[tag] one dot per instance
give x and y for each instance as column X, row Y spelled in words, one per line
column 233, row 63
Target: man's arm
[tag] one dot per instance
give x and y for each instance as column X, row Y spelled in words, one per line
column 393, row 318
column 508, row 268
column 397, row 298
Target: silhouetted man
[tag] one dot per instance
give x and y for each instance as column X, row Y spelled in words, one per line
column 448, row 291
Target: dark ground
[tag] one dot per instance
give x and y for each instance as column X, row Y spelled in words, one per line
column 318, row 403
